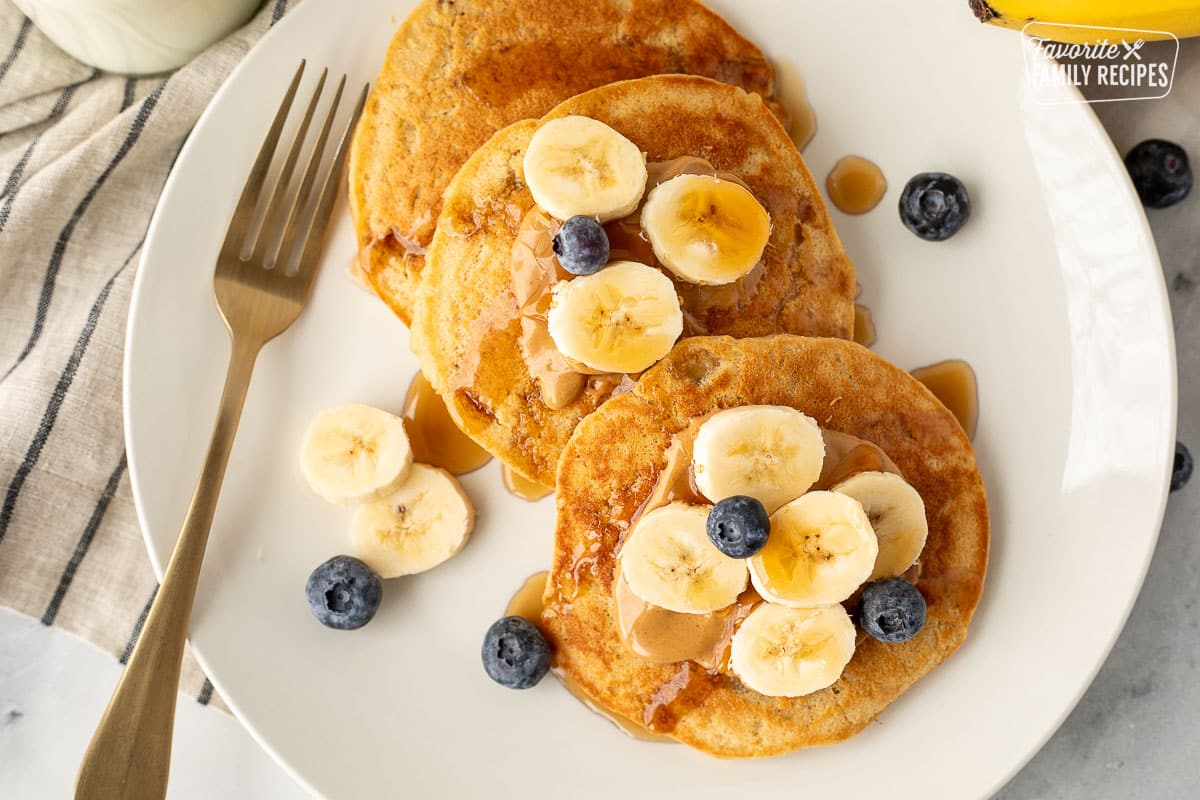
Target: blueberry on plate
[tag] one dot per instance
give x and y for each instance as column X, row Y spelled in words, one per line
column 892, row 610
column 934, row 205
column 738, row 526
column 344, row 593
column 581, row 245
column 515, row 653
column 1160, row 172
column 1182, row 471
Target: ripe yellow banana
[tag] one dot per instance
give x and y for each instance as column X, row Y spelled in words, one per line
column 1180, row 17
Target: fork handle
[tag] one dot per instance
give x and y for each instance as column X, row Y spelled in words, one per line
column 130, row 752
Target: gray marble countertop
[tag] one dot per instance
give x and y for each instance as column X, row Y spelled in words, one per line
column 1135, row 734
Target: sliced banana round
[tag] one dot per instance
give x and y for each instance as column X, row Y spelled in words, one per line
column 355, row 453
column 624, row 318
column 791, row 652
column 820, row 550
column 420, row 525
column 897, row 515
column 578, row 165
column 771, row 453
column 704, row 229
column 668, row 561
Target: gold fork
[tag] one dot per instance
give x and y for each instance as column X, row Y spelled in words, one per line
column 259, row 298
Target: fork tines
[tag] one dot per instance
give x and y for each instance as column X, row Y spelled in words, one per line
column 291, row 231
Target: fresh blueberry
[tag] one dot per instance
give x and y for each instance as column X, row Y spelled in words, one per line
column 934, row 205
column 344, row 593
column 1183, row 467
column 1160, row 172
column 515, row 653
column 738, row 526
column 892, row 610
column 581, row 245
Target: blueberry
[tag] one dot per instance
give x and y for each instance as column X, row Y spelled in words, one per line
column 1160, row 172
column 892, row 610
column 581, row 245
column 515, row 653
column 934, row 205
column 344, row 593
column 1182, row 471
column 738, row 526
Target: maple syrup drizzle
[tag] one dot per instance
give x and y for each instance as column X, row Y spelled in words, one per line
column 864, row 326
column 433, row 434
column 954, row 383
column 522, row 487
column 855, row 185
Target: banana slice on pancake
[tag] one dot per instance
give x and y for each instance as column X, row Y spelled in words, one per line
column 771, row 453
column 704, row 229
column 820, row 550
column 355, row 453
column 897, row 515
column 668, row 561
column 576, row 165
column 790, row 652
column 423, row 523
column 623, row 318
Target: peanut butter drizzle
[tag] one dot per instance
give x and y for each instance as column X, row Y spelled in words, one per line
column 435, row 437
column 535, row 271
column 954, row 383
column 522, row 487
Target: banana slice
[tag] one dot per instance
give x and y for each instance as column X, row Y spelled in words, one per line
column 425, row 522
column 355, row 453
column 820, row 550
column 704, row 229
column 578, row 165
column 897, row 515
column 791, row 652
column 668, row 561
column 771, row 453
column 624, row 318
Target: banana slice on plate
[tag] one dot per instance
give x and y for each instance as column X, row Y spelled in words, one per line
column 355, row 453
column 624, row 318
column 820, row 550
column 771, row 453
column 704, row 229
column 791, row 652
column 668, row 561
column 578, row 165
column 897, row 515
column 420, row 525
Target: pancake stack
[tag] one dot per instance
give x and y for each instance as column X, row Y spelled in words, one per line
column 443, row 180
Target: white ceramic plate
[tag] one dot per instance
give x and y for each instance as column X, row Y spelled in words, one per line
column 1053, row 292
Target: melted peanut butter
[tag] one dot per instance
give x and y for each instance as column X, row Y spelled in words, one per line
column 954, row 383
column 535, row 271
column 435, row 437
column 855, row 185
column 661, row 636
column 522, row 487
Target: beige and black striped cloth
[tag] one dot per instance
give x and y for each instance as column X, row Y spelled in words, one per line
column 83, row 158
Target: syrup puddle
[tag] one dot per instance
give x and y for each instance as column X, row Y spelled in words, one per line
column 954, row 383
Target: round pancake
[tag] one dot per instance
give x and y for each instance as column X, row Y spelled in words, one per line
column 613, row 460
column 465, row 330
column 459, row 70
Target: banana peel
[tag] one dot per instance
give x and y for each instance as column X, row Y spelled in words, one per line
column 1152, row 19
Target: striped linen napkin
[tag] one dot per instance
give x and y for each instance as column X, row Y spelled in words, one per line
column 83, row 157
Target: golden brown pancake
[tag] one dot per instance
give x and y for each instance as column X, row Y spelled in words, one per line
column 614, row 458
column 459, row 70
column 465, row 330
